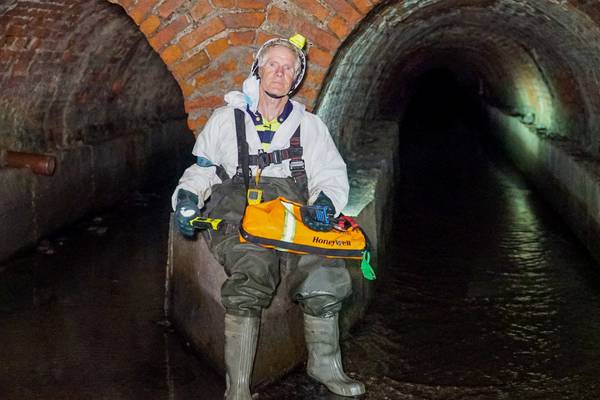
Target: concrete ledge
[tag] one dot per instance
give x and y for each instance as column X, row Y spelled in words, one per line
column 194, row 277
column 194, row 280
column 569, row 178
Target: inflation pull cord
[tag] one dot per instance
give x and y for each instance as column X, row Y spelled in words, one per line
column 365, row 266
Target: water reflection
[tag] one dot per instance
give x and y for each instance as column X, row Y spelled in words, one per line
column 487, row 296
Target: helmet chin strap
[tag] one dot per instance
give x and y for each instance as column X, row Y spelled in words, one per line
column 274, row 96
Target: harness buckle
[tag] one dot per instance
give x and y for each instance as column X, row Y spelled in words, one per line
column 276, row 157
column 297, row 165
column 238, row 172
column 263, row 159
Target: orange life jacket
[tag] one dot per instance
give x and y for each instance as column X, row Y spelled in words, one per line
column 277, row 224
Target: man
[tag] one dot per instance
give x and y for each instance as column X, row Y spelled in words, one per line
column 291, row 154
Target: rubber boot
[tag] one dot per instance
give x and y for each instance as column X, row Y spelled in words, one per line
column 324, row 357
column 241, row 335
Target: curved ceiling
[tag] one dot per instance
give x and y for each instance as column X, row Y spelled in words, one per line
column 533, row 58
column 78, row 73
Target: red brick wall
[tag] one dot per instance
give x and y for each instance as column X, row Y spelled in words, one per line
column 208, row 44
column 77, row 72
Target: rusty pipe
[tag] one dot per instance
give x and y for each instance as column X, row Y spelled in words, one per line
column 40, row 164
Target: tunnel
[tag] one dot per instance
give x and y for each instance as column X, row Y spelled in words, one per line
column 80, row 83
column 519, row 62
column 115, row 92
column 524, row 69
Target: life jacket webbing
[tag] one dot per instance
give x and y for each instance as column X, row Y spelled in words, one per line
column 289, row 224
column 300, row 249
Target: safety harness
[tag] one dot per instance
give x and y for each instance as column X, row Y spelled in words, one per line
column 263, row 159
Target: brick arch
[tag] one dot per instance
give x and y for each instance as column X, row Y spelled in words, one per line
column 537, row 58
column 208, row 44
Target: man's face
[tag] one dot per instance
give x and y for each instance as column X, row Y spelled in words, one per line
column 277, row 73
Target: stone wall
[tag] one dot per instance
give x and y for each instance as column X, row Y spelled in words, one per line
column 568, row 178
column 531, row 57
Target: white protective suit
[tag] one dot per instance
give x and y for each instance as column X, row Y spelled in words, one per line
column 325, row 168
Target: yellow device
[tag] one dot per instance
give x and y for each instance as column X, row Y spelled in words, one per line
column 254, row 196
column 206, row 223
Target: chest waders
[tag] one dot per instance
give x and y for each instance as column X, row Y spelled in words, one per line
column 318, row 284
column 253, row 272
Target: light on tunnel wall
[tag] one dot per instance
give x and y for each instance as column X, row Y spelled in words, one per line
column 533, row 99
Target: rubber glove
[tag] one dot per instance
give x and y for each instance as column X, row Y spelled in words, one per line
column 185, row 211
column 319, row 216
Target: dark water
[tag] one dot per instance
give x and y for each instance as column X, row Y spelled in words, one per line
column 86, row 322
column 487, row 296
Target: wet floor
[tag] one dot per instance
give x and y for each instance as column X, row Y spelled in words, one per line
column 488, row 296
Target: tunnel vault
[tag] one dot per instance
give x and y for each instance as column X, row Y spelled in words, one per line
column 534, row 58
column 529, row 59
column 79, row 81
column 78, row 73
column 532, row 65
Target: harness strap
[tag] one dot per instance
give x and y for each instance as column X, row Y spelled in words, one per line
column 222, row 173
column 278, row 156
column 242, row 145
column 245, row 160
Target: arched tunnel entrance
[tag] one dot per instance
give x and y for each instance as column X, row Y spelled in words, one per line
column 85, row 87
column 483, row 292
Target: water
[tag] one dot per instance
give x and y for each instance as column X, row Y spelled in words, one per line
column 86, row 321
column 487, row 296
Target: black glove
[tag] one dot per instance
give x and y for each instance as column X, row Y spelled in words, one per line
column 185, row 211
column 319, row 216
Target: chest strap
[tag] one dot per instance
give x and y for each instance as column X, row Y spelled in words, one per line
column 263, row 159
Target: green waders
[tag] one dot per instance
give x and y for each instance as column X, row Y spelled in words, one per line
column 319, row 285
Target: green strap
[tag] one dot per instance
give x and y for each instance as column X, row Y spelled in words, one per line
column 365, row 266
